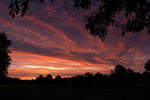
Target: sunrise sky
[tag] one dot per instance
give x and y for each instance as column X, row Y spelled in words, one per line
column 51, row 40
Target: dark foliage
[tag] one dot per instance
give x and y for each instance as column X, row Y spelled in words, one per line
column 147, row 65
column 134, row 14
column 4, row 55
column 49, row 76
column 119, row 77
column 22, row 6
column 58, row 77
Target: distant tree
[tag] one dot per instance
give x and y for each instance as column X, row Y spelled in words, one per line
column 120, row 71
column 130, row 71
column 58, row 77
column 79, row 76
column 48, row 76
column 40, row 77
column 121, row 76
column 88, row 75
column 5, row 59
column 134, row 14
column 98, row 75
column 131, row 76
column 99, row 79
column 147, row 65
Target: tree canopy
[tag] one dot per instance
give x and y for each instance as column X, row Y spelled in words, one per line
column 134, row 14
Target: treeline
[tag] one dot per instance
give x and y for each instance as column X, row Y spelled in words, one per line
column 119, row 77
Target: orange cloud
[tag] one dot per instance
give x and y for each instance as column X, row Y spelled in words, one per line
column 31, row 65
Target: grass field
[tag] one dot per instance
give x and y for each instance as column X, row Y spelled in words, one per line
column 47, row 92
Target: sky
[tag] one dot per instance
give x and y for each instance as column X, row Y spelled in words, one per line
column 51, row 40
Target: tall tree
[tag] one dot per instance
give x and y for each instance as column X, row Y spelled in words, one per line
column 134, row 14
column 5, row 59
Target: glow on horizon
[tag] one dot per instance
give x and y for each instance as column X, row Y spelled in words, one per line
column 28, row 66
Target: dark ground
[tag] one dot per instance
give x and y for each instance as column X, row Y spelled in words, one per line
column 48, row 92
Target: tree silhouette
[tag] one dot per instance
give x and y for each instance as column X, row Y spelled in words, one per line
column 58, row 77
column 48, row 76
column 88, row 75
column 4, row 55
column 120, row 72
column 134, row 14
column 98, row 75
column 147, row 65
column 40, row 77
column 21, row 5
column 130, row 71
